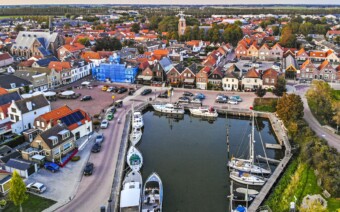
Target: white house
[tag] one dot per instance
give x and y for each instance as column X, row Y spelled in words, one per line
column 251, row 80
column 230, row 82
column 23, row 112
column 80, row 70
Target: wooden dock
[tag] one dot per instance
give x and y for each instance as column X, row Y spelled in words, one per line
column 270, row 160
column 273, row 146
column 281, row 135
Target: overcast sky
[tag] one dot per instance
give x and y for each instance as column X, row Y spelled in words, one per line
column 189, row 2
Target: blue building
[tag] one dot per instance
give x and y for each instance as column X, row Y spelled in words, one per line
column 115, row 71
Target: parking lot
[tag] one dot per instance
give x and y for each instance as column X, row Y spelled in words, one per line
column 100, row 99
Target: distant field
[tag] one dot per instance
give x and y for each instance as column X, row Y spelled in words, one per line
column 9, row 16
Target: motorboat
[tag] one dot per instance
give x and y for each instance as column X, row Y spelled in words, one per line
column 152, row 194
column 130, row 195
column 134, row 159
column 135, row 135
column 204, row 111
column 168, row 108
column 247, row 165
column 247, row 178
column 137, row 120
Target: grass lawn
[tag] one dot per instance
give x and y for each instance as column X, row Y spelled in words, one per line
column 9, row 16
column 34, row 203
column 265, row 104
column 333, row 204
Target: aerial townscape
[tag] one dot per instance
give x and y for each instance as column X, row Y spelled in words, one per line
column 150, row 108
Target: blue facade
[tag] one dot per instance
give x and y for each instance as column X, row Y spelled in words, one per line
column 115, row 72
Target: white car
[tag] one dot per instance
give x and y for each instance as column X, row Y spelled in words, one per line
column 104, row 124
column 196, row 101
column 110, row 89
column 36, row 187
column 233, row 102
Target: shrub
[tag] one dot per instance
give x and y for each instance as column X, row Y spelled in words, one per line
column 75, row 158
column 96, row 116
column 96, row 122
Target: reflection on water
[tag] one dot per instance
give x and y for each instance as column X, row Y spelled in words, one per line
column 190, row 155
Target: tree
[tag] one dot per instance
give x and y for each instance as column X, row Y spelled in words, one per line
column 276, row 30
column 68, row 15
column 337, row 39
column 108, row 44
column 260, row 92
column 336, row 114
column 232, row 34
column 187, row 34
column 306, row 28
column 85, row 41
column 313, row 205
column 289, row 108
column 135, row 27
column 280, row 86
column 19, row 28
column 17, row 192
column 195, row 33
column 287, row 39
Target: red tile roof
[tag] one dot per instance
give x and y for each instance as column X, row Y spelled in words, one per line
column 59, row 66
column 74, row 47
column 5, row 56
column 56, row 113
column 3, row 91
column 87, row 56
column 252, row 73
column 4, row 109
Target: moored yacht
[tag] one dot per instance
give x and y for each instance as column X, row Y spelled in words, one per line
column 130, row 196
column 246, row 178
column 134, row 159
column 204, row 112
column 137, row 120
column 168, row 108
column 135, row 135
column 152, row 194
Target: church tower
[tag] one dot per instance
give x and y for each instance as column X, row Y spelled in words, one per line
column 181, row 24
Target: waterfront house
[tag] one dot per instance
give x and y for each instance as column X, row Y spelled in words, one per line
column 269, row 78
column 302, row 55
column 174, row 75
column 251, row 80
column 253, row 51
column 215, row 78
column 5, row 179
column 241, row 51
column 52, row 144
column 63, row 70
column 45, row 121
column 23, row 112
column 230, row 81
column 290, row 67
column 188, row 76
column 202, row 78
column 146, row 76
column 308, row 71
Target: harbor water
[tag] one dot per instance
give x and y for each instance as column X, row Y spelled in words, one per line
column 191, row 155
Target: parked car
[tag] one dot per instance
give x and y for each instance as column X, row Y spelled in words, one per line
column 88, row 169
column 104, row 124
column 86, row 98
column 122, row 90
column 246, row 65
column 199, row 96
column 221, row 100
column 118, row 103
column 96, row 148
column 53, row 167
column 146, row 91
column 236, row 97
column 100, row 138
column 36, row 187
column 233, row 102
column 105, row 87
column 163, row 95
column 109, row 89
column 221, row 95
column 187, row 93
column 184, row 99
column 196, row 101
column 131, row 91
column 113, row 109
column 109, row 116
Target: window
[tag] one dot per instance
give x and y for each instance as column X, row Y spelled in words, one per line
column 42, row 124
column 14, row 110
column 267, row 80
column 67, row 146
column 38, row 123
column 255, row 80
column 56, row 151
column 273, row 81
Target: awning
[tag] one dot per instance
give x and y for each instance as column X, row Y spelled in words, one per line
column 67, row 93
column 49, row 93
column 38, row 157
column 26, row 95
column 144, row 77
column 188, row 80
column 85, row 83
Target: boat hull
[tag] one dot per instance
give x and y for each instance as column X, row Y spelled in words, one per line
column 246, row 166
column 152, row 194
column 197, row 112
column 134, row 159
column 130, row 195
column 247, row 180
column 162, row 109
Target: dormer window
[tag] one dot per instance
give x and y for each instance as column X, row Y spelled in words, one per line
column 64, row 134
column 54, row 140
column 13, row 85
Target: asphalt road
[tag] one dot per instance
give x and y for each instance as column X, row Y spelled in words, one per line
column 94, row 191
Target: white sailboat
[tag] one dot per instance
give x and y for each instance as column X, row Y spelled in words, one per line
column 134, row 159
column 247, row 178
column 153, row 194
column 135, row 135
column 130, row 196
column 247, row 165
column 204, row 112
column 168, row 108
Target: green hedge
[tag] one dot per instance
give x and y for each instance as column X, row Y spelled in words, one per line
column 265, row 104
column 15, row 141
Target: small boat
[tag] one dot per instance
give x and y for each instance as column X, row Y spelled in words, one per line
column 247, row 178
column 239, row 208
column 137, row 120
column 168, row 108
column 130, row 196
column 204, row 111
column 245, row 195
column 135, row 135
column 134, row 159
column 152, row 194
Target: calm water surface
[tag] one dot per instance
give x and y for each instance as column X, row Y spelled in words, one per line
column 190, row 155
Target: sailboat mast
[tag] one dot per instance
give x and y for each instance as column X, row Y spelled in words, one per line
column 252, row 138
column 231, row 196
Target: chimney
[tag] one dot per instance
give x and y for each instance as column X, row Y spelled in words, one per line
column 29, row 105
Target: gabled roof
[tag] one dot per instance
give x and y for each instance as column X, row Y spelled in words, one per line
column 278, row 45
column 194, row 68
column 300, row 52
column 317, row 54
column 59, row 66
column 218, row 71
column 6, row 81
column 180, row 67
column 144, row 65
column 44, row 62
column 74, row 47
column 87, row 56
column 8, row 97
column 5, row 56
column 54, row 131
column 270, row 73
column 73, row 119
column 323, row 65
column 233, row 68
column 56, row 114
column 252, row 73
column 307, row 62
column 36, row 101
column 265, row 46
column 166, row 64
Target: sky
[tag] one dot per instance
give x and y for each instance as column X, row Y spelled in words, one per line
column 167, row 2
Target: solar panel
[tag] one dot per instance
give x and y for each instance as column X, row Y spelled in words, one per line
column 72, row 118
